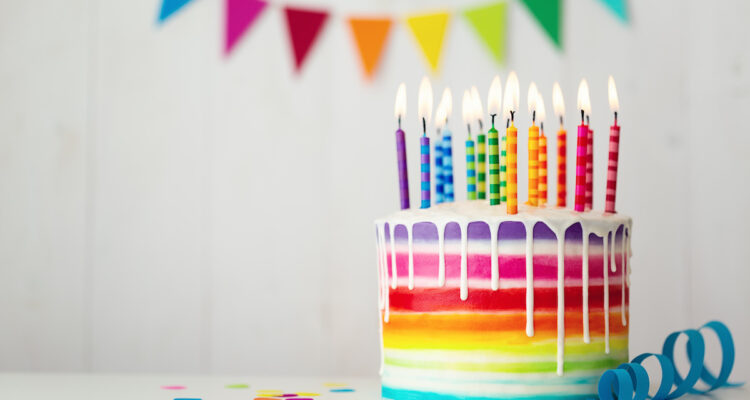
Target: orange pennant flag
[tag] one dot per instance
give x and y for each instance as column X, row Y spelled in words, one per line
column 370, row 35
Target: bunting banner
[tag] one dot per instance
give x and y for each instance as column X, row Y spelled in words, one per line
column 429, row 31
column 370, row 35
column 240, row 15
column 304, row 26
column 618, row 7
column 489, row 23
column 549, row 15
column 169, row 7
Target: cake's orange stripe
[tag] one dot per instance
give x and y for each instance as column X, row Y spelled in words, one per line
column 544, row 323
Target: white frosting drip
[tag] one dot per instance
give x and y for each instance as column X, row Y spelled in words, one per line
column 558, row 220
column 560, row 301
column 441, row 252
column 464, row 262
column 585, row 286
column 495, row 269
column 529, row 278
column 410, row 236
column 394, row 273
column 605, row 259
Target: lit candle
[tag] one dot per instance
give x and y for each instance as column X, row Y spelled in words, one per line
column 425, row 112
column 468, row 112
column 438, row 154
column 614, row 149
column 589, row 165
column 562, row 146
column 512, row 87
column 446, row 105
column 481, row 151
column 533, row 147
column 541, row 114
column 504, row 165
column 583, row 133
column 403, row 176
column 493, row 107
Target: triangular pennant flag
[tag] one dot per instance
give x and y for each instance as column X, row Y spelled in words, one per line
column 370, row 35
column 618, row 7
column 304, row 26
column 169, row 7
column 240, row 15
column 549, row 14
column 429, row 30
column 489, row 23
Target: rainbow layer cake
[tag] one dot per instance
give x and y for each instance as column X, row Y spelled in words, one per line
column 478, row 304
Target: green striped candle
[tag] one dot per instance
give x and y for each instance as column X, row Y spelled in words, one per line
column 494, row 161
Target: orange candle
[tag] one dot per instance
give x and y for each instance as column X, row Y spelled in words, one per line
column 562, row 146
column 511, row 105
column 533, row 148
column 541, row 115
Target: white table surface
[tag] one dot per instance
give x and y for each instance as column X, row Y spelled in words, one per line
column 149, row 387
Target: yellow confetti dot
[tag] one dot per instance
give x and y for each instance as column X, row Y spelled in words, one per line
column 307, row 394
column 331, row 384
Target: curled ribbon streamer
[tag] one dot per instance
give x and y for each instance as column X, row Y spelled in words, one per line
column 631, row 381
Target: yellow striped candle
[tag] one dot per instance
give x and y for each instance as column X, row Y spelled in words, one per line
column 533, row 148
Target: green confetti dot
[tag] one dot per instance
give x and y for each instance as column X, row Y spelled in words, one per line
column 238, row 386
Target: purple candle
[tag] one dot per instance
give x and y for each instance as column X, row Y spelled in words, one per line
column 403, row 175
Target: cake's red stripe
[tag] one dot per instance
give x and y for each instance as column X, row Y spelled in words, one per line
column 487, row 300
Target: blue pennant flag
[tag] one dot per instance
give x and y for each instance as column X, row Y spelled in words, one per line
column 618, row 7
column 169, row 7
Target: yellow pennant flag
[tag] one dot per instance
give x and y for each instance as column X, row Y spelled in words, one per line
column 429, row 31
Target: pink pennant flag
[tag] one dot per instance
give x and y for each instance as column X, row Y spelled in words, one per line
column 304, row 26
column 240, row 15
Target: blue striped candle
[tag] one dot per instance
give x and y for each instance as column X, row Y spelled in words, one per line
column 424, row 158
column 439, row 185
column 448, row 166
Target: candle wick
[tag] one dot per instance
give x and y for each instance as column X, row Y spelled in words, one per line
column 533, row 117
column 587, row 120
column 507, row 123
column 512, row 116
column 541, row 127
column 468, row 127
column 493, row 119
column 615, row 118
column 582, row 117
column 424, row 126
column 399, row 122
column 561, row 121
column 481, row 125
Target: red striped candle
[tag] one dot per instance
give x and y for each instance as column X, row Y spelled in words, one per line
column 614, row 150
column 589, row 167
column 584, row 105
column 562, row 147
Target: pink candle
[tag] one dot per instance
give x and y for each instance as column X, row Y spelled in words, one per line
column 614, row 150
column 581, row 147
column 589, row 167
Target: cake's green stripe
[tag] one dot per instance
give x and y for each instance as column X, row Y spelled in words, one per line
column 512, row 367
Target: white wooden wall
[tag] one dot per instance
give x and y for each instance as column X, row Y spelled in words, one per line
column 165, row 210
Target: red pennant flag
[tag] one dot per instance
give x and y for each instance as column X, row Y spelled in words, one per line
column 370, row 35
column 304, row 26
column 240, row 15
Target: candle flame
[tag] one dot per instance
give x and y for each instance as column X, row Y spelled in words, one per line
column 468, row 108
column 425, row 100
column 444, row 109
column 541, row 112
column 400, row 108
column 614, row 101
column 495, row 96
column 531, row 98
column 512, row 93
column 584, row 103
column 478, row 113
column 558, row 104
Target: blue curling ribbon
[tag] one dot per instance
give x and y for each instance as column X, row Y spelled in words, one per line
column 631, row 381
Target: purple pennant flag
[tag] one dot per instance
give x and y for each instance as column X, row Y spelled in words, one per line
column 240, row 15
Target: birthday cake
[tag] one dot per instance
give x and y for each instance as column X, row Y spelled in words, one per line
column 479, row 304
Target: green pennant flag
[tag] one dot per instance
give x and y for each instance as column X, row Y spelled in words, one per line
column 489, row 23
column 619, row 8
column 549, row 14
